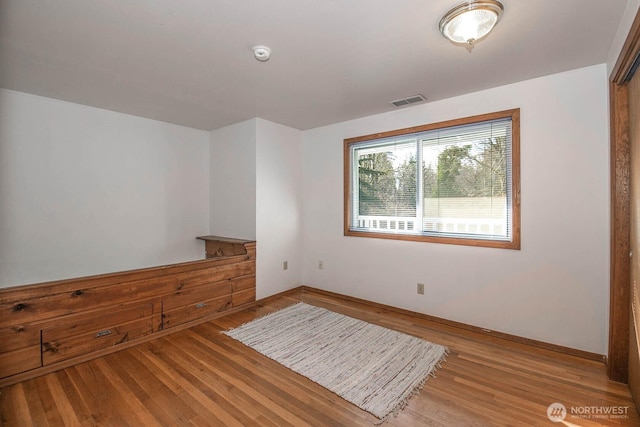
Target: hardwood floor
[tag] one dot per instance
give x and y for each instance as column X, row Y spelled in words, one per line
column 200, row 377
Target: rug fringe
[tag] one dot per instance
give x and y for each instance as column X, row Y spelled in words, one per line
column 416, row 390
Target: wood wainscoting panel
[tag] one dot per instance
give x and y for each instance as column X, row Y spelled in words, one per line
column 52, row 325
column 86, row 296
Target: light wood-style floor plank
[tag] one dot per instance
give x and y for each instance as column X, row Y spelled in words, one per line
column 62, row 404
column 15, row 406
column 74, row 399
column 137, row 377
column 201, row 377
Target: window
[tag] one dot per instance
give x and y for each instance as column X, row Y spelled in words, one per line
column 454, row 182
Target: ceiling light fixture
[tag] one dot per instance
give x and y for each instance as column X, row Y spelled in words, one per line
column 262, row 53
column 472, row 20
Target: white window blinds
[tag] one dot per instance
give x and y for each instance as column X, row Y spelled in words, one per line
column 454, row 182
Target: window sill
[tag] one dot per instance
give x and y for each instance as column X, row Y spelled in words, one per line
column 498, row 244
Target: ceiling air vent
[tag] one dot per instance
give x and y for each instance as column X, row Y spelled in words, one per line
column 410, row 100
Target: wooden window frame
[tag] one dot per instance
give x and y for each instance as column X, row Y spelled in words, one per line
column 514, row 114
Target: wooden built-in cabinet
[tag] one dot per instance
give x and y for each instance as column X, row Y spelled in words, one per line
column 94, row 331
column 19, row 349
column 48, row 326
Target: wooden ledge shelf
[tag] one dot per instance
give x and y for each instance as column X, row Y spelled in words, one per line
column 218, row 247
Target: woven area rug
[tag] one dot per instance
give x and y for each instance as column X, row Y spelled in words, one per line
column 374, row 368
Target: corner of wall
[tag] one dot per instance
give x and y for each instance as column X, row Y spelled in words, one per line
column 633, row 7
column 278, row 207
column 232, row 180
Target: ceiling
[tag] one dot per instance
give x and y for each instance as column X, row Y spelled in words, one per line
column 190, row 62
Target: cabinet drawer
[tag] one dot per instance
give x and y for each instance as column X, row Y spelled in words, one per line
column 195, row 311
column 18, row 337
column 244, row 296
column 191, row 296
column 19, row 349
column 244, row 282
column 101, row 330
column 21, row 360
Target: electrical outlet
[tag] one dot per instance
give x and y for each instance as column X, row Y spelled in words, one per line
column 285, row 265
column 320, row 265
column 420, row 288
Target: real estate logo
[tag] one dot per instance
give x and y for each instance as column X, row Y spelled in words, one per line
column 556, row 412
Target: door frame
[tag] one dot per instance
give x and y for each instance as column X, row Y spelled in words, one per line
column 620, row 289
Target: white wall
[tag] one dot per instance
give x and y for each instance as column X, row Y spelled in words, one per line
column 232, row 189
column 256, row 193
column 278, row 207
column 86, row 191
column 555, row 289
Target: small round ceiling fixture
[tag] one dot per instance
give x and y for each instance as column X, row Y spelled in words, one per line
column 471, row 21
column 262, row 53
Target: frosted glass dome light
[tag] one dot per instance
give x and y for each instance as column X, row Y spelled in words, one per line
column 471, row 21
